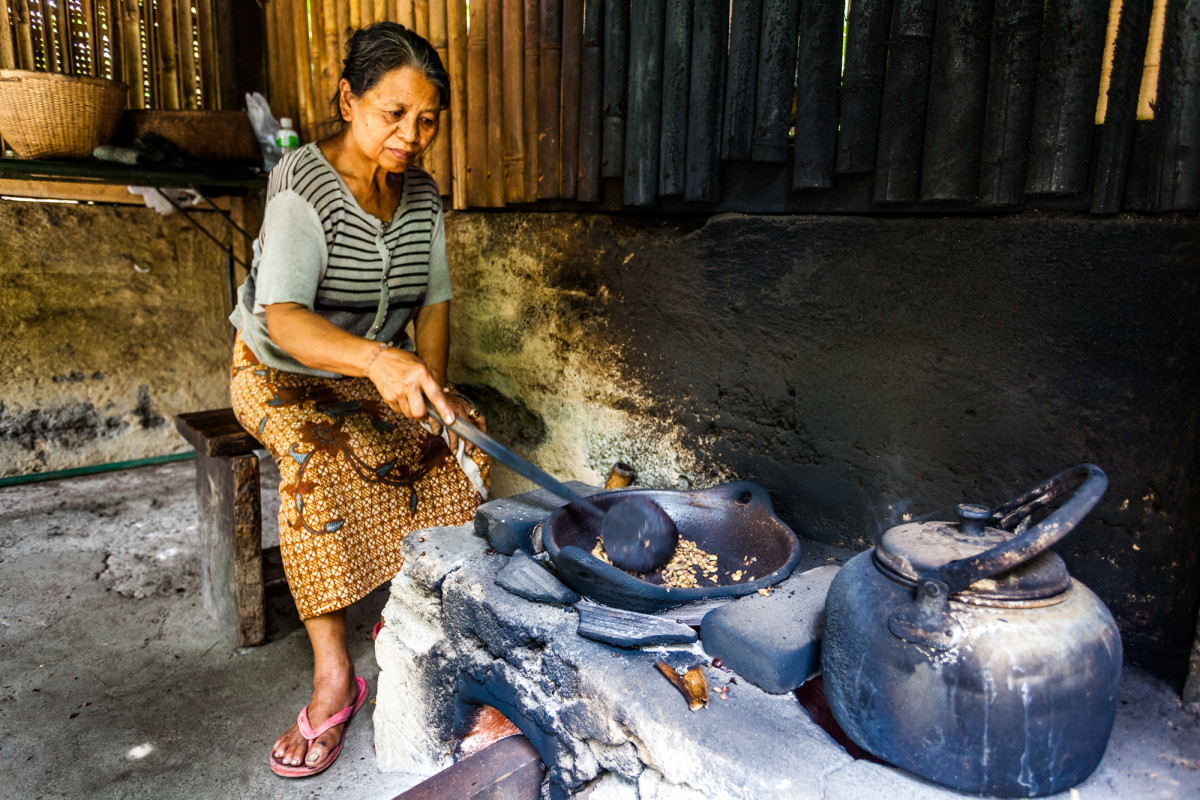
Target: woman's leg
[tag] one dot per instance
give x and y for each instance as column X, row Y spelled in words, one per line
column 334, row 688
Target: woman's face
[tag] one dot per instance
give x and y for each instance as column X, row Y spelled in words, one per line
column 395, row 120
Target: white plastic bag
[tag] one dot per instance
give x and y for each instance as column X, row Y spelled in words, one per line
column 265, row 128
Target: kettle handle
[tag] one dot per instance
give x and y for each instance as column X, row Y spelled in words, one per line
column 1088, row 482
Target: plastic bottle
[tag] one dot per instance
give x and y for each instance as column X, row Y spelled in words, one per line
column 287, row 138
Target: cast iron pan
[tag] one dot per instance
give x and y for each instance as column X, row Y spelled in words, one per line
column 735, row 521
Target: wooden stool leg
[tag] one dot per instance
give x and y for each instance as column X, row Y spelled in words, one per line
column 230, row 507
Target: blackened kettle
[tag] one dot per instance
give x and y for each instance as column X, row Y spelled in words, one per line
column 963, row 652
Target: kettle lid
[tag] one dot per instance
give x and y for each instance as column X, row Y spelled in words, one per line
column 909, row 551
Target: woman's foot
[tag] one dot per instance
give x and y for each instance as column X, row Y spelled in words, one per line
column 331, row 693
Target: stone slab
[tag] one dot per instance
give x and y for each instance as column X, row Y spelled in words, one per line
column 508, row 523
column 527, row 578
column 773, row 641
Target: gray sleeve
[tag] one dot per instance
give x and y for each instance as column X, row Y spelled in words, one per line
column 438, row 290
column 294, row 253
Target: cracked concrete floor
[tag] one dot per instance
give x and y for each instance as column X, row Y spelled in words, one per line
column 114, row 682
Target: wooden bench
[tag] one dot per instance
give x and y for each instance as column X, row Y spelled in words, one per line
column 230, row 509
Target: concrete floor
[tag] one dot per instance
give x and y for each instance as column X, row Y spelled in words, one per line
column 114, row 682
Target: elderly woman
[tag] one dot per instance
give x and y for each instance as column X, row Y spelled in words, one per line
column 324, row 375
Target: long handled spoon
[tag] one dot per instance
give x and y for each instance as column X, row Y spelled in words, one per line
column 638, row 535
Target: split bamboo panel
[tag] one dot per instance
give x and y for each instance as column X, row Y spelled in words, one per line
column 439, row 160
column 572, row 66
column 305, row 96
column 477, row 110
column 533, row 33
column 549, row 98
column 495, row 104
column 456, row 22
column 167, row 61
column 591, row 101
column 421, row 18
column 404, row 12
column 513, row 12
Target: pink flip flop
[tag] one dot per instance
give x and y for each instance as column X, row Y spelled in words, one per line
column 307, row 731
column 375, row 631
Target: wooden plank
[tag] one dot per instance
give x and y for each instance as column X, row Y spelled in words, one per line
column 905, row 91
column 441, row 168
column 509, row 769
column 1120, row 108
column 215, row 433
column 819, row 69
column 1065, row 106
column 529, row 123
column 643, row 123
column 249, row 593
column 710, row 29
column 495, row 103
column 549, row 98
column 616, row 57
column 572, row 66
column 776, row 80
column 514, row 104
column 456, row 22
column 957, row 101
column 676, row 86
column 1177, row 115
column 862, row 84
column 591, row 101
column 1008, row 116
column 477, row 108
column 741, row 79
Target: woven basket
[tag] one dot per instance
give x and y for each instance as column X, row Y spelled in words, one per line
column 202, row 135
column 46, row 115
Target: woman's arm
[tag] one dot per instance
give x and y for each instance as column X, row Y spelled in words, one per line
column 431, row 331
column 403, row 379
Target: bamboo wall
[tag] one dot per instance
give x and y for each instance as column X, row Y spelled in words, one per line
column 165, row 50
column 871, row 105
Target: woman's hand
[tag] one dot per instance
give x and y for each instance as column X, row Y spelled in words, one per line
column 405, row 383
column 467, row 411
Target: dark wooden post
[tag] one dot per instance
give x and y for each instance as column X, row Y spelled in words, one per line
column 776, row 80
column 906, row 86
column 616, row 51
column 677, row 63
column 549, row 98
column 741, row 79
column 1120, row 116
column 862, row 84
column 957, row 100
column 820, row 66
column 1064, row 111
column 1012, row 78
column 1177, row 116
column 591, row 101
column 572, row 65
column 644, row 121
column 710, row 29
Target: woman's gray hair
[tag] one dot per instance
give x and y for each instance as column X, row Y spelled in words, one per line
column 381, row 47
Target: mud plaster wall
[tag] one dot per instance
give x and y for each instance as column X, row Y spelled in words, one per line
column 862, row 369
column 113, row 321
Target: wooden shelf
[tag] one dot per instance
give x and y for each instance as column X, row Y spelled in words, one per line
column 102, row 182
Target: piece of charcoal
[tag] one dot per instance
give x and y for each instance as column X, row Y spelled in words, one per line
column 629, row 628
column 525, row 577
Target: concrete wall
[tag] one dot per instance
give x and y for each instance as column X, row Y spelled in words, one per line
column 862, row 369
column 113, row 321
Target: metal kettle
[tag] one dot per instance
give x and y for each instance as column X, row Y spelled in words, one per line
column 965, row 653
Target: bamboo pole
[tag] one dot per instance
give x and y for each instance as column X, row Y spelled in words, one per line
column 514, row 87
column 1177, row 149
column 744, row 31
column 379, row 10
column 66, row 44
column 290, row 68
column 862, row 84
column 355, row 11
column 87, row 13
column 23, row 29
column 1120, row 106
column 905, row 93
column 8, row 55
column 343, row 32
column 330, row 55
column 643, row 124
column 495, row 103
column 676, row 84
column 572, row 65
column 549, row 92
column 421, row 18
column 456, row 22
column 616, row 56
column 533, row 38
column 49, row 42
column 441, row 145
column 776, row 77
column 206, row 34
column 710, row 29
column 187, row 54
column 590, row 101
column 477, row 116
column 406, row 14
column 106, row 55
column 133, row 72
column 168, row 56
column 304, row 71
